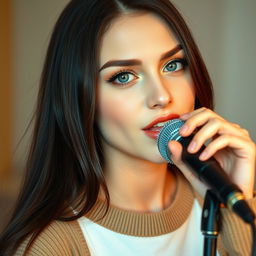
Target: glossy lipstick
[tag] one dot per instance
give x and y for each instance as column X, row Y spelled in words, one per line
column 152, row 130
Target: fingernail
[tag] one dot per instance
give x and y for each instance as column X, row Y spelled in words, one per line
column 192, row 146
column 184, row 116
column 183, row 129
column 203, row 156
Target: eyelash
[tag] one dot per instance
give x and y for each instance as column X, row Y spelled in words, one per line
column 112, row 79
column 182, row 61
column 121, row 72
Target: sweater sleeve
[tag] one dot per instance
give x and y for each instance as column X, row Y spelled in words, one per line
column 235, row 234
column 58, row 239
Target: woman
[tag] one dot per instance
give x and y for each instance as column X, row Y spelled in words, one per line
column 96, row 183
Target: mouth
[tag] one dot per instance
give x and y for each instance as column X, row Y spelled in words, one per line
column 152, row 130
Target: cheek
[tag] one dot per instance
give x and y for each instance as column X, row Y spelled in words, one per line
column 188, row 95
column 189, row 98
column 184, row 93
column 189, row 84
column 110, row 113
column 114, row 111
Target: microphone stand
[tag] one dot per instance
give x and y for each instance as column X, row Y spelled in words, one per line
column 210, row 223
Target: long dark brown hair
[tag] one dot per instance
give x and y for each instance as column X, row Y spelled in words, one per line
column 65, row 160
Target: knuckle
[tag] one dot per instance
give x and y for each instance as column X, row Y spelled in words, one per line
column 226, row 137
column 246, row 132
column 236, row 125
column 214, row 120
column 207, row 110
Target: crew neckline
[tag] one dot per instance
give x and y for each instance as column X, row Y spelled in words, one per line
column 146, row 223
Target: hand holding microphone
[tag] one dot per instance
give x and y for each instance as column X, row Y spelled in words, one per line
column 232, row 175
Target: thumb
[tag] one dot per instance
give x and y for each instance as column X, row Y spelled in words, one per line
column 175, row 148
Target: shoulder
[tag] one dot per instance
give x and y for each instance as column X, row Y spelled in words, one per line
column 58, row 238
column 235, row 233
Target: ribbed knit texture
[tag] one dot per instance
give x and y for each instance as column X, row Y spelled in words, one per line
column 241, row 239
column 58, row 239
column 66, row 238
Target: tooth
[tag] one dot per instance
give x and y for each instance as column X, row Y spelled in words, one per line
column 159, row 124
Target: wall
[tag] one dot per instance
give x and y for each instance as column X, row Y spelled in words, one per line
column 225, row 33
column 237, row 67
column 5, row 89
column 33, row 23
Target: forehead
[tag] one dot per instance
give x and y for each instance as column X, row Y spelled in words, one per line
column 136, row 36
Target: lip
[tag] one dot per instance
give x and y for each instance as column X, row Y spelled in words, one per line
column 160, row 120
column 152, row 131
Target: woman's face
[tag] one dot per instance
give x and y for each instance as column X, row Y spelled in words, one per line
column 143, row 77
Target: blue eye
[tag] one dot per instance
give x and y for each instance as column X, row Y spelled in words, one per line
column 175, row 65
column 122, row 78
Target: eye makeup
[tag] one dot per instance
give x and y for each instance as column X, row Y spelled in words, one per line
column 122, row 76
column 133, row 62
column 175, row 65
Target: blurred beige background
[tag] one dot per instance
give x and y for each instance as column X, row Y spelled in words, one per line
column 223, row 29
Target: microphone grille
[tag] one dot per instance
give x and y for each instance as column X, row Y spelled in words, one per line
column 170, row 131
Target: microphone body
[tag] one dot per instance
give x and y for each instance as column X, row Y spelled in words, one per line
column 209, row 172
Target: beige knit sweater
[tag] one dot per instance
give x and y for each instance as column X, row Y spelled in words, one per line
column 66, row 238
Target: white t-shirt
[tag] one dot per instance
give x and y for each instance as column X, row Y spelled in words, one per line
column 187, row 240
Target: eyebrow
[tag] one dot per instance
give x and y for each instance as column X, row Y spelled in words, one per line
column 134, row 62
column 171, row 52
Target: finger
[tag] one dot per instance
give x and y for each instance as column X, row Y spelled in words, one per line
column 211, row 129
column 241, row 171
column 199, row 112
column 241, row 147
column 175, row 149
column 194, row 112
column 197, row 119
column 202, row 117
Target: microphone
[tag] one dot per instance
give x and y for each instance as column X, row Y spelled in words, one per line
column 209, row 172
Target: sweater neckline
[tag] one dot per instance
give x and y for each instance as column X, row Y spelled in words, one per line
column 146, row 223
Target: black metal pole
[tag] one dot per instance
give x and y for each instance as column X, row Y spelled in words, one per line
column 210, row 245
column 210, row 223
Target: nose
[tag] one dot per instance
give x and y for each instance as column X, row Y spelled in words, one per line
column 159, row 95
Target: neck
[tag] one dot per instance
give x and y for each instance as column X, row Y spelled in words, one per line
column 139, row 185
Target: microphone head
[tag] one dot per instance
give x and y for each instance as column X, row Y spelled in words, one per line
column 170, row 131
